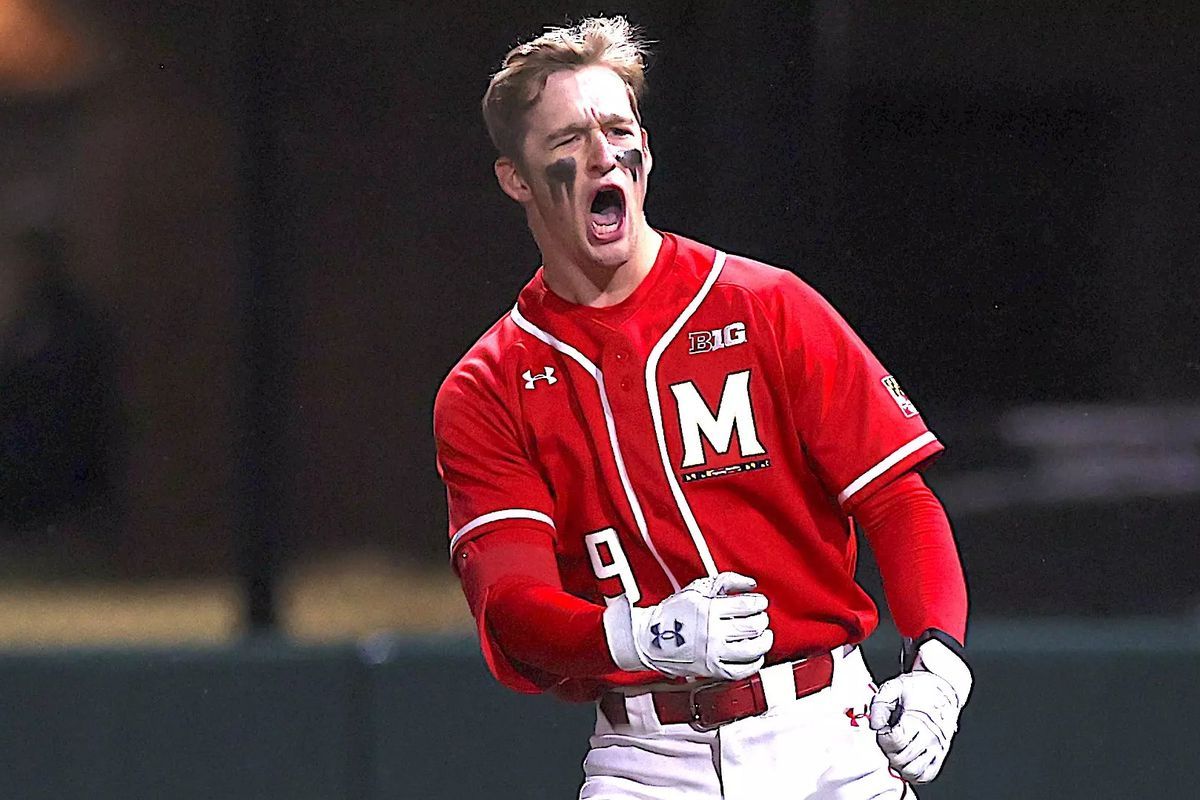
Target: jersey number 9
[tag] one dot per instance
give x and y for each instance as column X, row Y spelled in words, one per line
column 609, row 561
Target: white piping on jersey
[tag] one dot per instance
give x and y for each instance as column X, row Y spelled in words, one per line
column 884, row 465
column 681, row 502
column 610, row 422
column 492, row 516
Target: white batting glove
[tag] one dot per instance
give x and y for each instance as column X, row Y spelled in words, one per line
column 712, row 628
column 915, row 715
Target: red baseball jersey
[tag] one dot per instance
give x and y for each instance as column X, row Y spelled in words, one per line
column 722, row 417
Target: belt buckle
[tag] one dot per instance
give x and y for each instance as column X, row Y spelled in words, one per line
column 697, row 721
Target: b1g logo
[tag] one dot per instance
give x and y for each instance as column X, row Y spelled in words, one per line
column 734, row 413
column 706, row 341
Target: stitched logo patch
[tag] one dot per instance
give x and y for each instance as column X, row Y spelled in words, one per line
column 707, row 341
column 893, row 387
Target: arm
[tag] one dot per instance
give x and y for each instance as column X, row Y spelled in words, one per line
column 502, row 532
column 915, row 715
column 510, row 578
column 866, row 439
column 529, row 626
column 910, row 536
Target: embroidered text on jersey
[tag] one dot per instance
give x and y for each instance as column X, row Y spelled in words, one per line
column 732, row 469
column 547, row 375
column 893, row 387
column 706, row 341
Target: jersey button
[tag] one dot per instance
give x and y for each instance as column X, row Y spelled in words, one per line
column 621, row 355
column 625, row 384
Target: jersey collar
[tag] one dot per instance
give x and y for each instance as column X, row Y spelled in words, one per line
column 538, row 295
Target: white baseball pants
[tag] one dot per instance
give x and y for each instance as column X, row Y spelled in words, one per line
column 818, row 747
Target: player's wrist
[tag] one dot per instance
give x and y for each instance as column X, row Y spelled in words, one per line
column 945, row 660
column 619, row 623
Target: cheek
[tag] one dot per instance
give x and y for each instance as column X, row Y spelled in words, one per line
column 632, row 161
column 560, row 180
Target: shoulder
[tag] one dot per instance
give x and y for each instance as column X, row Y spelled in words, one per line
column 781, row 293
column 777, row 289
column 800, row 316
column 478, row 378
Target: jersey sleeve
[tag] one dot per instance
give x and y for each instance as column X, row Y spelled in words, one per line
column 858, row 427
column 489, row 478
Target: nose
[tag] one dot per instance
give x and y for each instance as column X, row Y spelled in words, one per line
column 602, row 156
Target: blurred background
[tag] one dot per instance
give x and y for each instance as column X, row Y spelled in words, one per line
column 242, row 243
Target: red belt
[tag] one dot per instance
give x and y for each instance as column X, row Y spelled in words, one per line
column 712, row 705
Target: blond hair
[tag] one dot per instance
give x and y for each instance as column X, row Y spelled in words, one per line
column 598, row 41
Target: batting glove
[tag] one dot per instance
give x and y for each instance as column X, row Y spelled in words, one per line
column 915, row 715
column 712, row 628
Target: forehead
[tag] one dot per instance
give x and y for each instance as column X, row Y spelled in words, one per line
column 578, row 96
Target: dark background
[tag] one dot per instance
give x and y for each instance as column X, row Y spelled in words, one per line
column 262, row 233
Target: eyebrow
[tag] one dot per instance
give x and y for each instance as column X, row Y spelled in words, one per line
column 575, row 127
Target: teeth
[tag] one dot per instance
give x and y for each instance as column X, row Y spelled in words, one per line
column 605, row 228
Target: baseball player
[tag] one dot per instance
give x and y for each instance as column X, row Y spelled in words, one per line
column 652, row 462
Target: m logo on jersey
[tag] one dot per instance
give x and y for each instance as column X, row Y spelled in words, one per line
column 547, row 376
column 706, row 341
column 893, row 387
column 697, row 422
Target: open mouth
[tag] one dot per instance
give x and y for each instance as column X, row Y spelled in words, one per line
column 606, row 219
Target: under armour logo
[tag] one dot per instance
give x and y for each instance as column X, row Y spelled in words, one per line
column 855, row 716
column 675, row 636
column 547, row 376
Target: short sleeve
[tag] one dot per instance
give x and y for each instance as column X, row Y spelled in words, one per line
column 490, row 481
column 857, row 425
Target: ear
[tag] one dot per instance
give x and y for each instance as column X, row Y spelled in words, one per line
column 511, row 181
column 647, row 159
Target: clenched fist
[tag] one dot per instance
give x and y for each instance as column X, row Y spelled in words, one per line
column 712, row 628
column 915, row 715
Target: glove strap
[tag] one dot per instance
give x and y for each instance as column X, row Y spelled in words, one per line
column 909, row 647
column 939, row 653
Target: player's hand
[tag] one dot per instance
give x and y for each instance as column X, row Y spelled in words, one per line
column 712, row 628
column 915, row 715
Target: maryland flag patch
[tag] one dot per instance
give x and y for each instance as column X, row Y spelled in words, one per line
column 893, row 387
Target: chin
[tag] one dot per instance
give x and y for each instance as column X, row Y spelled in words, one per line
column 611, row 254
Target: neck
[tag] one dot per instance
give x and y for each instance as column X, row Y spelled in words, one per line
column 599, row 285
